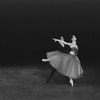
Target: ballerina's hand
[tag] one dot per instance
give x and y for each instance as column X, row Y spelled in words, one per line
column 54, row 39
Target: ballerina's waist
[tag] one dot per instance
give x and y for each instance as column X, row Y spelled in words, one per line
column 72, row 52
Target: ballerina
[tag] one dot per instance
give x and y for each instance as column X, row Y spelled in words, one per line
column 67, row 64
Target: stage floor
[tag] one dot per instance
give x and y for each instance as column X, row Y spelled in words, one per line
column 28, row 83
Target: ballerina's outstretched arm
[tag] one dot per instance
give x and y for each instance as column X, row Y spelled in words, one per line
column 66, row 43
column 61, row 41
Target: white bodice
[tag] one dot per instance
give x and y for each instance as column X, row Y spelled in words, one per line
column 73, row 45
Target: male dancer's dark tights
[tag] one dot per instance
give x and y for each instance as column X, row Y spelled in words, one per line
column 52, row 73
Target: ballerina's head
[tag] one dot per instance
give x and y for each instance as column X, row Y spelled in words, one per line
column 73, row 38
column 61, row 38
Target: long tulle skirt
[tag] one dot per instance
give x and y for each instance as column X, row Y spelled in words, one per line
column 67, row 64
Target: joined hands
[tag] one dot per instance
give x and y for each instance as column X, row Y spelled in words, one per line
column 61, row 41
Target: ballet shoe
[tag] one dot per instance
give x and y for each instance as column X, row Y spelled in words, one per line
column 44, row 60
column 71, row 81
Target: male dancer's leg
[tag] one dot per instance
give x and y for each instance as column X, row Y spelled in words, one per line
column 67, row 79
column 51, row 74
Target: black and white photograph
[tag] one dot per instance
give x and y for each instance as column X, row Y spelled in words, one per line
column 49, row 50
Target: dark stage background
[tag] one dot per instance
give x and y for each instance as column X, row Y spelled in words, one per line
column 27, row 28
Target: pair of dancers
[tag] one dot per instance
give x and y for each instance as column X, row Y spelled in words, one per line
column 67, row 64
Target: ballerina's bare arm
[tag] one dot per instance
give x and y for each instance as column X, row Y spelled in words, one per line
column 56, row 40
column 61, row 41
column 66, row 43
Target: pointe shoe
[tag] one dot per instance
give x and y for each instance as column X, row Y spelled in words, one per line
column 44, row 60
column 71, row 81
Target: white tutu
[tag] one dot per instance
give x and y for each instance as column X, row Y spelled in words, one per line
column 67, row 64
